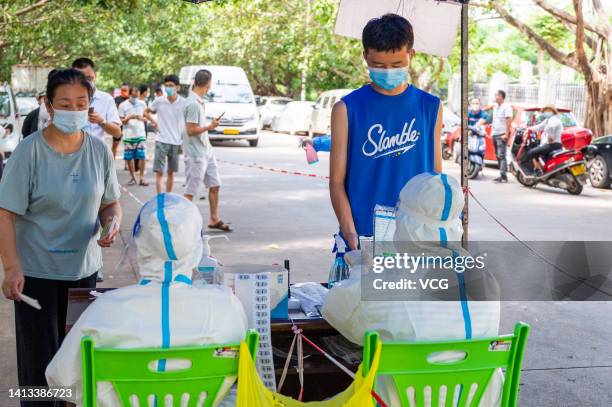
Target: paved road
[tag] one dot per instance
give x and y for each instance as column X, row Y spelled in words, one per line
column 280, row 216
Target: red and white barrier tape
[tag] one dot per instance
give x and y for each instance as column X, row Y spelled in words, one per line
column 279, row 170
column 134, row 197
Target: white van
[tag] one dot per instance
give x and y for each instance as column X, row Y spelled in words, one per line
column 230, row 94
column 9, row 115
column 321, row 115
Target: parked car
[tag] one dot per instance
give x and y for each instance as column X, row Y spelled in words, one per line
column 268, row 106
column 294, row 118
column 321, row 115
column 9, row 115
column 599, row 155
column 525, row 115
column 25, row 102
column 231, row 95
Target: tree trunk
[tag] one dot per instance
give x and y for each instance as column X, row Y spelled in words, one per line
column 598, row 116
column 541, row 65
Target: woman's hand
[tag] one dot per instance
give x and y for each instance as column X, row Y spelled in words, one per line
column 12, row 284
column 109, row 239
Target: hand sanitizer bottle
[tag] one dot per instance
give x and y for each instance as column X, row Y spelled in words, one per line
column 208, row 264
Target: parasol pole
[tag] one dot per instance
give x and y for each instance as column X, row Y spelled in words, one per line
column 464, row 104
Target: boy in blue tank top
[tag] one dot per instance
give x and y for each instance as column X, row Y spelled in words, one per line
column 383, row 133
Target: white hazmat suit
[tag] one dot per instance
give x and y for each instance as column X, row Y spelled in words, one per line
column 164, row 309
column 428, row 211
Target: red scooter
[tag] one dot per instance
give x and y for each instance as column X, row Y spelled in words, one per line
column 563, row 168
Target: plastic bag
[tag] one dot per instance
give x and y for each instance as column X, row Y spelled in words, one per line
column 311, row 297
column 253, row 393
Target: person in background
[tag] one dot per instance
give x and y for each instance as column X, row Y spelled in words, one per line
column 476, row 116
column 171, row 125
column 131, row 112
column 37, row 118
column 383, row 133
column 5, row 131
column 500, row 130
column 219, row 319
column 143, row 93
column 200, row 162
column 143, row 96
column 124, row 94
column 550, row 140
column 103, row 117
column 59, row 191
column 159, row 92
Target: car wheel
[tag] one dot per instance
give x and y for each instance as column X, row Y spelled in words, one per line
column 599, row 173
column 253, row 143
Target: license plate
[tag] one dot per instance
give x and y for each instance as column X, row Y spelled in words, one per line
column 578, row 170
column 231, row 132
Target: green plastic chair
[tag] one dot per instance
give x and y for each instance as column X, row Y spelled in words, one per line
column 133, row 374
column 407, row 363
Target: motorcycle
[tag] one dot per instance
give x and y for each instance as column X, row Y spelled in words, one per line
column 564, row 169
column 448, row 140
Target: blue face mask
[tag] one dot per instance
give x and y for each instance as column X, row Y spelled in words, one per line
column 547, row 115
column 69, row 121
column 169, row 91
column 388, row 78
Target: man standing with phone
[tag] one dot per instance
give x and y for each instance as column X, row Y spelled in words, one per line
column 200, row 162
column 103, row 116
column 171, row 126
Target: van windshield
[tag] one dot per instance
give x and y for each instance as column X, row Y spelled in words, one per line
column 5, row 104
column 229, row 93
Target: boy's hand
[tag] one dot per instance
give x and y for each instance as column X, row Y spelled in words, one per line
column 352, row 240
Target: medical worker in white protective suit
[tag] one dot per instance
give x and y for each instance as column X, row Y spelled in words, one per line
column 428, row 211
column 163, row 309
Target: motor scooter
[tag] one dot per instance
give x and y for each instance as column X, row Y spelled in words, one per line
column 476, row 150
column 564, row 169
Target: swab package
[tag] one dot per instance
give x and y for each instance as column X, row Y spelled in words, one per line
column 278, row 284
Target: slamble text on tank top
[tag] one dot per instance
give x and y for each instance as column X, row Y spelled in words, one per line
column 379, row 144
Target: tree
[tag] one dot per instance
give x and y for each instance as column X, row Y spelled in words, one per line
column 591, row 56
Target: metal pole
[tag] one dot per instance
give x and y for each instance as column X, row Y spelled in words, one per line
column 464, row 104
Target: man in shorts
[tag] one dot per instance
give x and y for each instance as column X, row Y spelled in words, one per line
column 200, row 162
column 132, row 114
column 171, row 125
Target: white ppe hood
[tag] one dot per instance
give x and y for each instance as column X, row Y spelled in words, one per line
column 164, row 309
column 428, row 211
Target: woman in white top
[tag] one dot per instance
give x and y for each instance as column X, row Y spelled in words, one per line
column 550, row 139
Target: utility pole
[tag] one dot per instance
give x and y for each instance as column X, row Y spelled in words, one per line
column 305, row 52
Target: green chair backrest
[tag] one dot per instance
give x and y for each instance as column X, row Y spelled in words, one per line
column 416, row 373
column 134, row 372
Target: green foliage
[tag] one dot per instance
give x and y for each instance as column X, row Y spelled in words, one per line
column 139, row 41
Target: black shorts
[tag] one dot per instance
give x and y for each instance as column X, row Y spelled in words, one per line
column 543, row 151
